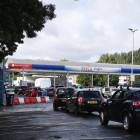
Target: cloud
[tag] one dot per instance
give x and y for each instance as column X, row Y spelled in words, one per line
column 84, row 30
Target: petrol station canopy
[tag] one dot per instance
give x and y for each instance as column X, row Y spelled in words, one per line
column 48, row 67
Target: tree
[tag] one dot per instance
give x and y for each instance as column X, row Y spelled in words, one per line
column 84, row 79
column 20, row 17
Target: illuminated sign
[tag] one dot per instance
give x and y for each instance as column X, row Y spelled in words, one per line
column 20, row 66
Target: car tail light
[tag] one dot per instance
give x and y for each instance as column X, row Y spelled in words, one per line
column 20, row 89
column 80, row 99
column 55, row 96
column 102, row 99
column 136, row 103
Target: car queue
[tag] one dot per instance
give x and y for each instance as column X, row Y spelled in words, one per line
column 123, row 106
column 120, row 105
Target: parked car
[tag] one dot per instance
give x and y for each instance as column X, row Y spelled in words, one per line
column 22, row 90
column 84, row 100
column 32, row 91
column 124, row 107
column 50, row 92
column 60, row 96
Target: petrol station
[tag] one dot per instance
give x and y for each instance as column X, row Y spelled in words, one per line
column 53, row 68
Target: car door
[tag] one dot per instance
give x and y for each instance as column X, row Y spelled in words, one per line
column 119, row 104
column 72, row 101
column 112, row 104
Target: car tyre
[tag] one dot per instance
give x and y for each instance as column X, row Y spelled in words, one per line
column 54, row 107
column 76, row 110
column 127, row 122
column 89, row 112
column 103, row 118
column 66, row 109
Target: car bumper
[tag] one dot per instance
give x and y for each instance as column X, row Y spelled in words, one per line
column 88, row 107
column 60, row 102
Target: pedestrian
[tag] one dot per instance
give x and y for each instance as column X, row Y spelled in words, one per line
column 103, row 91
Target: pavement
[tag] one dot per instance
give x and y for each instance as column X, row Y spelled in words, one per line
column 22, row 107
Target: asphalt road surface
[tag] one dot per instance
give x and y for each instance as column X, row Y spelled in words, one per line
column 40, row 122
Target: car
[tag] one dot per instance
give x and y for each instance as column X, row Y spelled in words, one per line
column 22, row 90
column 112, row 91
column 84, row 100
column 107, row 92
column 123, row 106
column 60, row 96
column 32, row 91
column 50, row 92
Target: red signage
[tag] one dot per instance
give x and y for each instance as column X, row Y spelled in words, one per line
column 20, row 66
column 86, row 68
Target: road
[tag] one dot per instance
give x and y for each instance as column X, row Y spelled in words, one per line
column 40, row 122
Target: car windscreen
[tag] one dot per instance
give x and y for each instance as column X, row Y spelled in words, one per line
column 89, row 94
column 137, row 95
column 34, row 88
column 66, row 91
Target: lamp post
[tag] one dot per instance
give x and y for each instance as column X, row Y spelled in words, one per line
column 132, row 30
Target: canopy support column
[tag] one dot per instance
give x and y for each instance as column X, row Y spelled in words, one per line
column 22, row 76
column 12, row 78
column 54, row 80
column 67, row 77
column 108, row 80
column 92, row 80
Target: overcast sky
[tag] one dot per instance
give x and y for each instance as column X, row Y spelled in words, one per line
column 84, row 30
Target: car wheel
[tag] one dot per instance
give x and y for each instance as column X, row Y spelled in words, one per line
column 54, row 107
column 66, row 109
column 76, row 110
column 103, row 119
column 127, row 122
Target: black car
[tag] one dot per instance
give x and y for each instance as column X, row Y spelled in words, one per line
column 84, row 100
column 50, row 92
column 123, row 106
column 60, row 97
column 22, row 90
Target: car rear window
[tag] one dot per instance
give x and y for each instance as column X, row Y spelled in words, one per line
column 66, row 91
column 137, row 95
column 89, row 94
column 106, row 89
column 50, row 90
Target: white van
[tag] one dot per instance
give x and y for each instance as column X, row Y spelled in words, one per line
column 43, row 82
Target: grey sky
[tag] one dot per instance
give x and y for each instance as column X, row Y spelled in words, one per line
column 84, row 30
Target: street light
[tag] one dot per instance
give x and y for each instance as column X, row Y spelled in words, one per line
column 132, row 30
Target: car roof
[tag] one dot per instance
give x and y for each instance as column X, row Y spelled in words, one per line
column 87, row 89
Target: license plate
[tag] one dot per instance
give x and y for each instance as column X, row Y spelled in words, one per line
column 92, row 102
column 23, row 91
column 50, row 92
column 63, row 100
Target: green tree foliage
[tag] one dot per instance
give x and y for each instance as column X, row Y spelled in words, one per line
column 20, row 17
column 116, row 58
column 84, row 79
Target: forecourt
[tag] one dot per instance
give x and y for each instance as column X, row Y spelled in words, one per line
column 47, row 67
